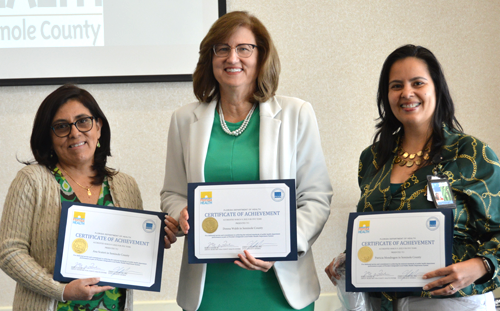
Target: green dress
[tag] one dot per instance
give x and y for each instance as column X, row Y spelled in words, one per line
column 473, row 171
column 110, row 300
column 227, row 286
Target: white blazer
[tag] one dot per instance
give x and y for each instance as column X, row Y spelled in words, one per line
column 289, row 148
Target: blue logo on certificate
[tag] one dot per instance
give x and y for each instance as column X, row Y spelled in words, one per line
column 277, row 195
column 206, row 197
column 149, row 226
column 79, row 218
column 364, row 226
column 432, row 223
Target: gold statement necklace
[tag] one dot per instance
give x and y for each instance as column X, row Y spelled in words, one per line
column 86, row 188
column 404, row 158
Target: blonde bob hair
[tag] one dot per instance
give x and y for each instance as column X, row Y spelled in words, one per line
column 206, row 87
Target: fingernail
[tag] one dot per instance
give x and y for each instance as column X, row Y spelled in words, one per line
column 426, row 287
column 424, row 277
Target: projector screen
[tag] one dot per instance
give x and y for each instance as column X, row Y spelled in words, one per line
column 102, row 41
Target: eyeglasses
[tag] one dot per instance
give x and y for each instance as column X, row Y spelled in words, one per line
column 243, row 50
column 64, row 129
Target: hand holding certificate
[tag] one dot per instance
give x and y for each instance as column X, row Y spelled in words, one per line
column 228, row 218
column 391, row 251
column 121, row 246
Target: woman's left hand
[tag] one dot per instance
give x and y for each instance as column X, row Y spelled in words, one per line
column 249, row 262
column 455, row 276
column 171, row 226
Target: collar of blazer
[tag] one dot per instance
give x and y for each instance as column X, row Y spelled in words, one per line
column 268, row 109
column 268, row 140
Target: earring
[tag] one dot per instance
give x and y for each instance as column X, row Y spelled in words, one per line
column 98, row 144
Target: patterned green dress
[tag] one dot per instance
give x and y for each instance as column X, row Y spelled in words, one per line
column 110, row 300
column 227, row 286
column 473, row 171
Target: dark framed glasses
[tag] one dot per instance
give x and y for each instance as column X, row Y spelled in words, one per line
column 64, row 128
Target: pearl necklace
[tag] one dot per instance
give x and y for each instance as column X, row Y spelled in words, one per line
column 243, row 126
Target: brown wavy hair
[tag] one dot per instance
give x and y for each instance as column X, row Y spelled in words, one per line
column 206, row 87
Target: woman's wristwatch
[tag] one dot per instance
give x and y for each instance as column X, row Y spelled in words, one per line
column 489, row 271
column 487, row 265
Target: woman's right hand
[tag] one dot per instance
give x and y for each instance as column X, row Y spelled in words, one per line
column 171, row 229
column 183, row 220
column 83, row 289
column 332, row 269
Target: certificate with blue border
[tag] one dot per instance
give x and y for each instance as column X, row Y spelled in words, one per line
column 391, row 251
column 123, row 247
column 227, row 218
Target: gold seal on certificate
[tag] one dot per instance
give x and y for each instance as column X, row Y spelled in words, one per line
column 365, row 254
column 121, row 246
column 210, row 225
column 391, row 251
column 79, row 246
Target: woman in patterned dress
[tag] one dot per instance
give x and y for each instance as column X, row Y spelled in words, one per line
column 418, row 135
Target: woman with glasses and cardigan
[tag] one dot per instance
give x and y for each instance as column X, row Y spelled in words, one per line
column 70, row 142
column 239, row 130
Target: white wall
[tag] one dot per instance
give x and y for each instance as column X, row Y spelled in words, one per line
column 331, row 54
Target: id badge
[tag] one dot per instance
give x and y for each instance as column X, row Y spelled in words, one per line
column 439, row 191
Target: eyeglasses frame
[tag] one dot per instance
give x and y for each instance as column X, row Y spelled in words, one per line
column 92, row 118
column 235, row 48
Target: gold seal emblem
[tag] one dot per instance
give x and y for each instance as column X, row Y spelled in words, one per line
column 365, row 254
column 79, row 246
column 210, row 225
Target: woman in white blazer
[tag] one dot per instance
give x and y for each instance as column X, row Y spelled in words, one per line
column 239, row 130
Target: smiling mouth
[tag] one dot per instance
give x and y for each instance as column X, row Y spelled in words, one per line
column 77, row 145
column 234, row 69
column 414, row 105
